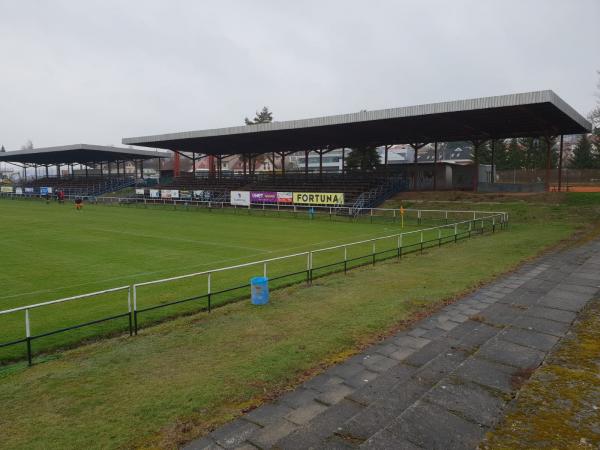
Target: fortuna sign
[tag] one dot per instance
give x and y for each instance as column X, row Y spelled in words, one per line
column 319, row 198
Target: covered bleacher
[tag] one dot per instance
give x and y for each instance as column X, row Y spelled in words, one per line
column 79, row 169
column 540, row 114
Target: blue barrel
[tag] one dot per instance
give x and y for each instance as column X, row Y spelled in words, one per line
column 259, row 287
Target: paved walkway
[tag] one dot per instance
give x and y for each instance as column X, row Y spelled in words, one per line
column 443, row 383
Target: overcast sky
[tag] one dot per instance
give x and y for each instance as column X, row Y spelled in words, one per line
column 94, row 72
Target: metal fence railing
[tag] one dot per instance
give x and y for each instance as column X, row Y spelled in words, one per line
column 216, row 287
column 299, row 211
column 29, row 337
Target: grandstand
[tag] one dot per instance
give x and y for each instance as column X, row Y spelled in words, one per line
column 96, row 159
column 479, row 120
column 362, row 190
column 79, row 186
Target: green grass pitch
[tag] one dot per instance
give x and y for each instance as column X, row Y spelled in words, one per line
column 52, row 251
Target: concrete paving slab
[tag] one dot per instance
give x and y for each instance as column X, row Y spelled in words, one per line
column 539, row 341
column 468, row 400
column 432, row 427
column 511, row 354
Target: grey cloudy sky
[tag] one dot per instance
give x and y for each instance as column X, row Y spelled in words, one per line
column 93, row 72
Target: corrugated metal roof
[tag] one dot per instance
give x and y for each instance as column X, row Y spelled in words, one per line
column 81, row 150
column 483, row 103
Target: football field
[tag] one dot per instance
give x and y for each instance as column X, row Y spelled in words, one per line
column 51, row 251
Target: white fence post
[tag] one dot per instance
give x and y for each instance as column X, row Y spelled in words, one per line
column 208, row 290
column 27, row 324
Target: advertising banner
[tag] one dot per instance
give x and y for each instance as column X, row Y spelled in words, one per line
column 154, row 193
column 185, row 194
column 285, row 197
column 6, row 189
column 318, row 198
column 263, row 197
column 174, row 193
column 19, row 191
column 139, row 192
column 165, row 193
column 29, row 190
column 240, row 198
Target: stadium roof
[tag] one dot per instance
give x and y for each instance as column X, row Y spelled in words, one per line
column 77, row 153
column 516, row 115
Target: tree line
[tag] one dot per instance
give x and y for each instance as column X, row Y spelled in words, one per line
column 531, row 153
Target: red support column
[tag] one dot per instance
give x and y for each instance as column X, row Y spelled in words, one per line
column 211, row 166
column 176, row 164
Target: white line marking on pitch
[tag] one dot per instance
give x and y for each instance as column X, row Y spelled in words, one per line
column 170, row 238
column 217, row 261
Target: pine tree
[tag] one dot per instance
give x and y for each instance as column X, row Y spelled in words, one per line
column 500, row 156
column 364, row 158
column 514, row 155
column 264, row 116
column 583, row 156
column 532, row 153
column 2, row 150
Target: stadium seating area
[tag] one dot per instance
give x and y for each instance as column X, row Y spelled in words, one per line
column 354, row 186
column 360, row 190
column 90, row 186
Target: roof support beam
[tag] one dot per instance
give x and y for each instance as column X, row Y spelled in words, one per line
column 549, row 139
column 560, row 164
column 416, row 146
